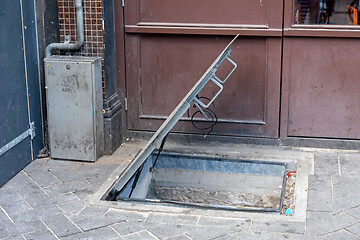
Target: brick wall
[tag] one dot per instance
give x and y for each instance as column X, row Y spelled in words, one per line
column 93, row 26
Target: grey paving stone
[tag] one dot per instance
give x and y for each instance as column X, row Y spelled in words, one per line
column 248, row 235
column 343, row 189
column 19, row 180
column 319, row 200
column 40, row 174
column 60, row 225
column 271, row 235
column 126, row 215
column 97, row 173
column 180, row 237
column 88, row 222
column 326, row 163
column 66, row 171
column 94, row 211
column 84, row 194
column 143, row 235
column 283, row 227
column 12, row 230
column 164, row 231
column 20, row 237
column 346, row 203
column 242, row 235
column 73, row 186
column 350, row 164
column 63, row 198
column 35, row 214
column 339, row 235
column 4, row 219
column 40, row 235
column 343, row 220
column 99, row 233
column 355, row 229
column 128, row 227
column 72, row 208
column 172, row 218
column 14, row 204
column 200, row 233
column 37, row 198
column 6, row 193
column 355, row 212
column 237, row 223
column 320, row 183
column 319, row 223
column 352, row 181
column 299, row 236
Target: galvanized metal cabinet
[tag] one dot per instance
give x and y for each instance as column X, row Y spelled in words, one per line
column 74, row 102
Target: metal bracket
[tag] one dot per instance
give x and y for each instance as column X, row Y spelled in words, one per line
column 217, row 82
column 30, row 132
column 178, row 112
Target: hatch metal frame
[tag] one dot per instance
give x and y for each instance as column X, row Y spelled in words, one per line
column 190, row 98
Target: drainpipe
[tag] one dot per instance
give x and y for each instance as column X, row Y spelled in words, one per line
column 66, row 45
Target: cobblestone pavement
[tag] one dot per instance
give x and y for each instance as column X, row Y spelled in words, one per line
column 50, row 199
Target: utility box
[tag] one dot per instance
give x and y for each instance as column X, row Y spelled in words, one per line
column 74, row 107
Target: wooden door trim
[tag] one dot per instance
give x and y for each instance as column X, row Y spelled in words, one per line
column 203, row 31
column 322, row 32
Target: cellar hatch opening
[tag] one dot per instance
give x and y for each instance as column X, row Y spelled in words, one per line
column 207, row 182
column 201, row 181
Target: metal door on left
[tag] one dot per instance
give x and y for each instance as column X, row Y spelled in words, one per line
column 20, row 103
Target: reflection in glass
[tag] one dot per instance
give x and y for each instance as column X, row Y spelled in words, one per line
column 340, row 12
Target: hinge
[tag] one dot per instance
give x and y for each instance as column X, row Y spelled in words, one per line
column 30, row 132
column 123, row 3
column 125, row 104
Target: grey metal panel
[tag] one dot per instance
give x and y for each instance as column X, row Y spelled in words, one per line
column 178, row 112
column 74, row 107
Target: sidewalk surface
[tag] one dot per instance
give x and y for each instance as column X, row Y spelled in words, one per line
column 50, row 199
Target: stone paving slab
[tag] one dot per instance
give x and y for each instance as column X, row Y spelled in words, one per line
column 326, row 164
column 51, row 199
column 61, row 225
column 40, row 235
column 99, row 233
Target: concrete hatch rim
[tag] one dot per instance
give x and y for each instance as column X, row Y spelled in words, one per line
column 191, row 157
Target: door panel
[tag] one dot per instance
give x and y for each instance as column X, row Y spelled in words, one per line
column 320, row 78
column 169, row 46
column 323, row 87
column 19, row 70
column 204, row 12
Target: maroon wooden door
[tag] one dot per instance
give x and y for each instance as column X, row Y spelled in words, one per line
column 170, row 43
column 321, row 84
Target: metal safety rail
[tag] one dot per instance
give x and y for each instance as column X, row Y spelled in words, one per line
column 179, row 111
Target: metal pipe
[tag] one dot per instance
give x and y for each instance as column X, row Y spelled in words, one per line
column 66, row 45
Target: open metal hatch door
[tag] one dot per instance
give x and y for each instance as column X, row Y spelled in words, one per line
column 179, row 111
